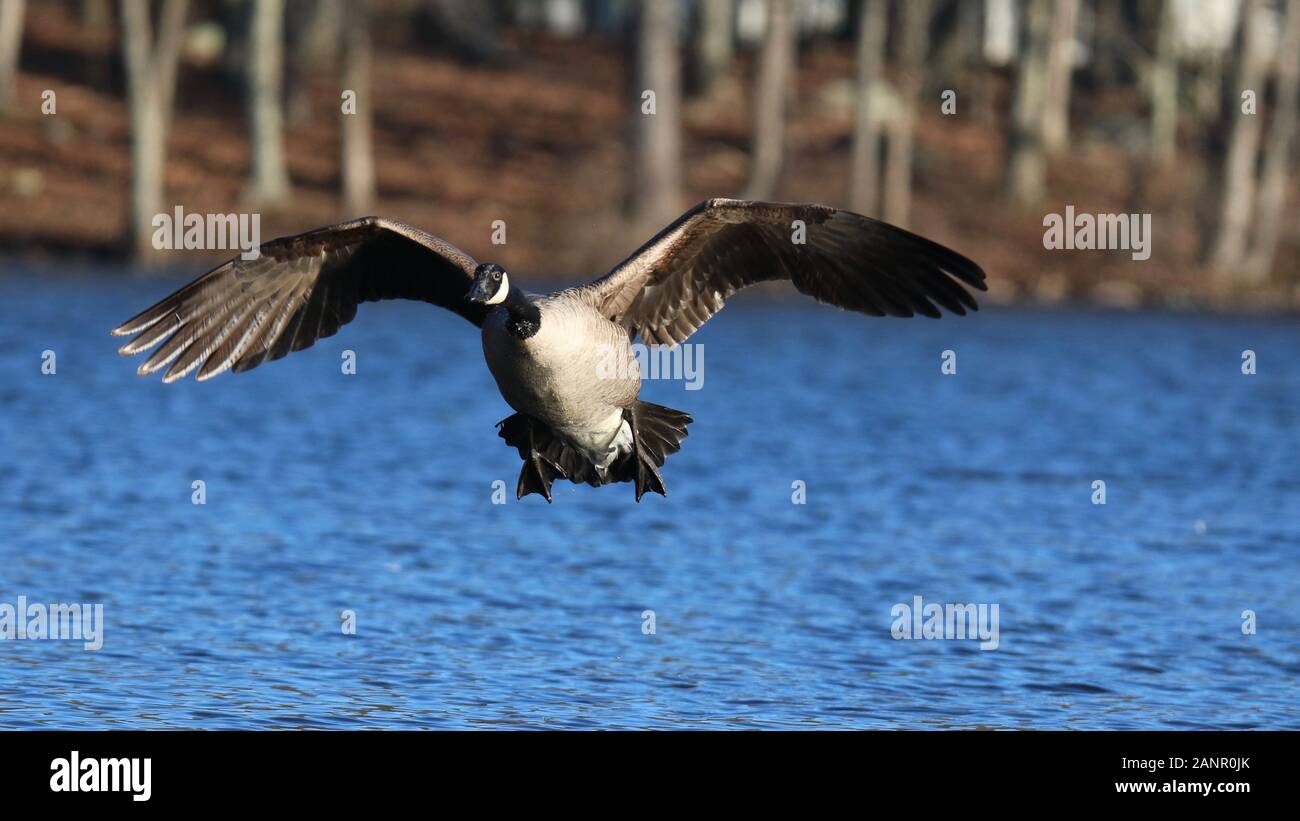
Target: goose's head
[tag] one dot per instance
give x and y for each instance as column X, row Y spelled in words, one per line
column 491, row 285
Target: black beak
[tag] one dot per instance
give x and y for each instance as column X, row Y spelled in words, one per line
column 477, row 293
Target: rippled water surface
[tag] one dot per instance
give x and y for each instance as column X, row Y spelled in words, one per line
column 373, row 493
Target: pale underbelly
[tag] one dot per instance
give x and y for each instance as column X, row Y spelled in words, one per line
column 599, row 431
column 567, row 388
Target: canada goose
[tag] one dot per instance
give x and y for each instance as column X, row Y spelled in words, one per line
column 576, row 418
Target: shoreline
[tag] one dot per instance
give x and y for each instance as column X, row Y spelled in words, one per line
column 556, row 172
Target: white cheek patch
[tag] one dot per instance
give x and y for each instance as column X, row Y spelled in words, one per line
column 500, row 295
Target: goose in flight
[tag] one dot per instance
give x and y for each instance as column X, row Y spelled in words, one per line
column 576, row 417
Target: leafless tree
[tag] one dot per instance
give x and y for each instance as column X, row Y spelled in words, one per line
column 1108, row 29
column 1060, row 73
column 864, row 185
column 1271, row 201
column 1238, row 173
column 11, row 40
column 151, row 82
column 96, row 68
column 170, row 38
column 265, row 82
column 358, row 159
column 971, row 24
column 655, row 194
column 775, row 73
column 314, row 30
column 915, row 20
column 1207, row 88
column 712, row 47
column 1164, row 88
column 1026, row 165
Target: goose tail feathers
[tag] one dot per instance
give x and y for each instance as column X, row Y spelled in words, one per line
column 657, row 432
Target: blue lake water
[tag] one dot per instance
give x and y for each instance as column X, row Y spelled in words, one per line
column 373, row 493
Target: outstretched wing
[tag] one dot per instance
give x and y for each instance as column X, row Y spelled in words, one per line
column 676, row 281
column 300, row 289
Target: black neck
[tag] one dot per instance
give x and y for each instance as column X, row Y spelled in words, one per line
column 524, row 317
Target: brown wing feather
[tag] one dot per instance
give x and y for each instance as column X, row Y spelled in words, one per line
column 300, row 289
column 679, row 279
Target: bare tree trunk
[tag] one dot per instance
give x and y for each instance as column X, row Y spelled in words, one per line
column 314, row 30
column 902, row 129
column 171, row 33
column 950, row 54
column 1001, row 31
column 150, row 74
column 1277, row 154
column 1060, row 73
column 1026, row 166
column 775, row 72
column 864, row 191
column 358, row 155
column 971, row 21
column 656, row 188
column 11, row 40
column 1107, row 28
column 1238, row 183
column 1164, row 89
column 713, row 45
column 147, row 144
column 270, row 177
column 95, row 66
column 1209, row 88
